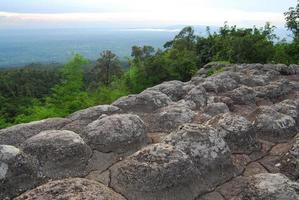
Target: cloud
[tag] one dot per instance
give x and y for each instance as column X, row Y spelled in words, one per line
column 190, row 15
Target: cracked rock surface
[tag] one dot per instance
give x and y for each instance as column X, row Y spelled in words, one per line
column 229, row 136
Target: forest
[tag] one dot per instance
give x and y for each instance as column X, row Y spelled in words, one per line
column 40, row 91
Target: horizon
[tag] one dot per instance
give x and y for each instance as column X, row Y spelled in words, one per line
column 140, row 14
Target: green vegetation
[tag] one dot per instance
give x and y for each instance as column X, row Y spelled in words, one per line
column 35, row 92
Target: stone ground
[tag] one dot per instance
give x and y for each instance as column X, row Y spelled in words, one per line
column 229, row 136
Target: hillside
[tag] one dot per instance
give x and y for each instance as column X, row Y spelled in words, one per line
column 228, row 133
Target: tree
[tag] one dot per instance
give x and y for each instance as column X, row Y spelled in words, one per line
column 106, row 68
column 292, row 18
column 184, row 40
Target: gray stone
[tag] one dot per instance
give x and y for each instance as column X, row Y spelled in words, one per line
column 73, row 189
column 208, row 151
column 236, row 130
column 18, row 172
column 116, row 133
column 198, row 96
column 242, row 95
column 93, row 113
column 60, row 153
column 158, row 171
column 17, row 134
column 214, row 109
column 272, row 125
column 222, row 82
column 147, row 101
column 274, row 90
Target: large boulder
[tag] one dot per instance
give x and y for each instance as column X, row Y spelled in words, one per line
column 116, row 133
column 214, row 109
column 267, row 186
column 93, row 113
column 222, row 82
column 73, row 189
column 289, row 163
column 208, row 151
column 173, row 89
column 15, row 135
column 272, row 125
column 18, row 172
column 197, row 95
column 289, row 107
column 242, row 95
column 60, row 153
column 158, row 171
column 170, row 117
column 274, row 90
column 236, row 130
column 147, row 101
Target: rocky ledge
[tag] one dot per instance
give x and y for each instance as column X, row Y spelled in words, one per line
column 232, row 135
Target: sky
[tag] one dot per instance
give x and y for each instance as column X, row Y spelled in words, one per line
column 140, row 13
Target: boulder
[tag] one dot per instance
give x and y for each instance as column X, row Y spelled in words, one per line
column 170, row 117
column 18, row 172
column 237, row 132
column 214, row 109
column 158, row 171
column 60, row 153
column 272, row 125
column 198, row 96
column 72, row 188
column 173, row 89
column 288, row 107
column 274, row 90
column 289, row 163
column 93, row 113
column 267, row 186
column 147, row 101
column 208, row 151
column 116, row 133
column 242, row 95
column 222, row 82
column 17, row 134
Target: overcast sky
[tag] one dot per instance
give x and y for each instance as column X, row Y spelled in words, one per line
column 27, row 13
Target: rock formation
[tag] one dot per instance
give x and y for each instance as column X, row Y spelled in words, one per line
column 231, row 135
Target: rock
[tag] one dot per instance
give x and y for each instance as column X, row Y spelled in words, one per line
column 223, row 82
column 170, row 117
column 198, row 96
column 208, row 151
column 214, row 109
column 237, row 132
column 158, row 171
column 289, row 163
column 72, row 188
column 274, row 90
column 173, row 89
column 93, row 113
column 60, row 153
column 147, row 101
column 211, row 196
column 287, row 70
column 267, row 186
column 272, row 125
column 18, row 172
column 242, row 95
column 116, row 133
column 101, row 161
column 288, row 107
column 17, row 134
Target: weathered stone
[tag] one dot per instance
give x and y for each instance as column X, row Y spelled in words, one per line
column 289, row 163
column 60, row 153
column 173, row 89
column 93, row 113
column 272, row 125
column 15, row 135
column 18, row 172
column 170, row 117
column 147, row 101
column 101, row 161
column 242, row 95
column 116, row 133
column 288, row 107
column 158, row 171
column 214, row 109
column 236, row 130
column 198, row 96
column 274, row 90
column 73, row 188
column 208, row 151
column 267, row 186
column 211, row 196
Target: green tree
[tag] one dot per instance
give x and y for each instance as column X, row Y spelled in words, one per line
column 292, row 19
